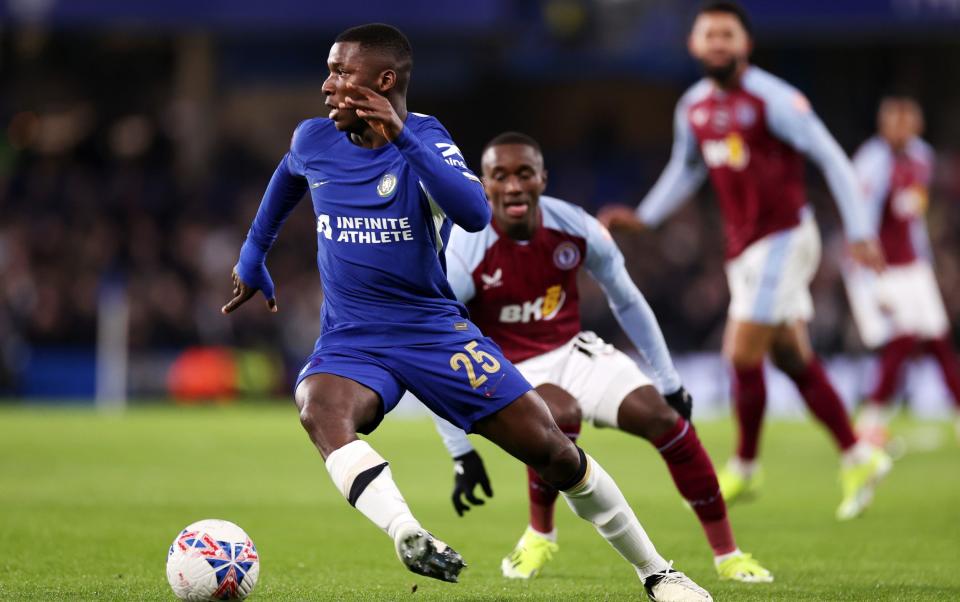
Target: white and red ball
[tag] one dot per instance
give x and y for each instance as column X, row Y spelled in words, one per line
column 212, row 560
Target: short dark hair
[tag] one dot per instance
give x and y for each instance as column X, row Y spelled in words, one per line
column 514, row 138
column 385, row 38
column 380, row 36
column 729, row 7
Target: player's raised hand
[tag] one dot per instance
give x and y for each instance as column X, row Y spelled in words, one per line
column 869, row 254
column 374, row 109
column 620, row 217
column 468, row 472
column 242, row 292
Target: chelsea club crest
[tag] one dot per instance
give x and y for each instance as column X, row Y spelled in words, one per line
column 388, row 183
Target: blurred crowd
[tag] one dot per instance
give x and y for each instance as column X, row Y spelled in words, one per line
column 151, row 190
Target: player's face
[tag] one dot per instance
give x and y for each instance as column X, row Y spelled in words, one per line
column 720, row 43
column 900, row 120
column 514, row 179
column 348, row 62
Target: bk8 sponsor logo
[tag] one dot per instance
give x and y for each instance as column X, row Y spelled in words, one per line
column 730, row 151
column 542, row 308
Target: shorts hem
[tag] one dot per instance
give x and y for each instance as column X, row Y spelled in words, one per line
column 367, row 429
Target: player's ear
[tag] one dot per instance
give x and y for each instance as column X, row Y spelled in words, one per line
column 387, row 81
column 543, row 180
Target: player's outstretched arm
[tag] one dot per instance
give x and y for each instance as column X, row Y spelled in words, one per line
column 250, row 274
column 433, row 157
column 605, row 263
column 679, row 181
column 872, row 164
column 468, row 468
column 791, row 118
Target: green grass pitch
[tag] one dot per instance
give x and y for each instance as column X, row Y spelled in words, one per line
column 89, row 504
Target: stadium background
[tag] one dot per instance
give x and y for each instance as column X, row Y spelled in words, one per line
column 137, row 138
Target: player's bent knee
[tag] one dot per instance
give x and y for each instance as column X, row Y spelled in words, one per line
column 334, row 409
column 645, row 413
column 310, row 402
column 789, row 360
column 564, row 467
column 744, row 359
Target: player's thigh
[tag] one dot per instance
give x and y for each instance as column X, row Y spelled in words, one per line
column 600, row 377
column 525, row 429
column 333, row 409
column 645, row 413
column 563, row 406
column 340, row 392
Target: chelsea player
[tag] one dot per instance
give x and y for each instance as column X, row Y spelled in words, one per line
column 386, row 187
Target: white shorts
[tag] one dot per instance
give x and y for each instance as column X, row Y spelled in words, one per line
column 902, row 300
column 770, row 281
column 594, row 372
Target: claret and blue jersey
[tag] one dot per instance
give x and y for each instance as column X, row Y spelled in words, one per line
column 390, row 320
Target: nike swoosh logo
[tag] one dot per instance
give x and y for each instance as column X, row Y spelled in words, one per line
column 319, row 184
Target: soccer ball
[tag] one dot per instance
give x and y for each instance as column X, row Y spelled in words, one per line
column 212, row 560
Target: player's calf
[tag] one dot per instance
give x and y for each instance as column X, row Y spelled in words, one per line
column 365, row 480
column 525, row 430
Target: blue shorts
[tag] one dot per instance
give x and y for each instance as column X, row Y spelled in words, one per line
column 463, row 379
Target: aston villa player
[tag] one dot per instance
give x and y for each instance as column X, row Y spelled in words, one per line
column 751, row 133
column 518, row 278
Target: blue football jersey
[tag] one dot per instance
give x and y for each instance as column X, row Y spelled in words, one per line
column 383, row 219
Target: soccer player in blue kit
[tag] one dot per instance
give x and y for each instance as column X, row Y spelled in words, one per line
column 386, row 187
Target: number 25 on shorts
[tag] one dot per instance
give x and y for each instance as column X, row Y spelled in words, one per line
column 487, row 362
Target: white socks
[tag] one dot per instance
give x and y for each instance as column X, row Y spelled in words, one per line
column 598, row 500
column 364, row 478
column 719, row 558
column 744, row 468
column 551, row 536
column 858, row 454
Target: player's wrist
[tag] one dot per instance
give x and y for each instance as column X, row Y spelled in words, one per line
column 403, row 138
column 471, row 457
column 251, row 254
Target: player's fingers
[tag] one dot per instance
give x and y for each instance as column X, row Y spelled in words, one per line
column 236, row 302
column 487, row 488
column 363, row 90
column 272, row 304
column 879, row 261
column 473, row 499
column 458, row 504
column 358, row 103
